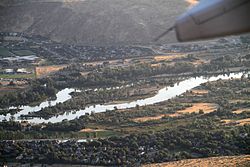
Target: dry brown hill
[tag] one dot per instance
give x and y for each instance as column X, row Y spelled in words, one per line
column 228, row 161
column 92, row 21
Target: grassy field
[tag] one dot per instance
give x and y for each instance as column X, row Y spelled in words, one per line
column 17, row 76
column 169, row 57
column 23, row 52
column 145, row 119
column 5, row 52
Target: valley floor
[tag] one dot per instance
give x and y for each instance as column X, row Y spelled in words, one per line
column 210, row 120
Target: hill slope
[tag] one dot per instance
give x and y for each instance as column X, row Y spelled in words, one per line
column 239, row 161
column 92, row 21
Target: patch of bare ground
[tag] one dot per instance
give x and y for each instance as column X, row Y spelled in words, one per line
column 240, row 122
column 46, row 70
column 197, row 107
column 241, row 110
column 169, row 57
column 227, row 161
column 199, row 92
column 199, row 62
column 145, row 119
column 158, row 117
column 84, row 73
column 155, row 65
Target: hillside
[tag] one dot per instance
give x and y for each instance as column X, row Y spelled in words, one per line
column 239, row 161
column 92, row 21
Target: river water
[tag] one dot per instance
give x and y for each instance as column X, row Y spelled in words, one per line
column 162, row 95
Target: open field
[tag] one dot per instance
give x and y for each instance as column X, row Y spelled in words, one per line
column 169, row 57
column 205, row 107
column 16, row 76
column 228, row 161
column 145, row 119
column 23, row 52
column 158, row 117
column 90, row 133
column 5, row 52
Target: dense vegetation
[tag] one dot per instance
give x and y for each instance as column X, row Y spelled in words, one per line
column 39, row 90
column 136, row 149
column 71, row 77
column 107, row 76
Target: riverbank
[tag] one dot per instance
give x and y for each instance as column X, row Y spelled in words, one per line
column 162, row 95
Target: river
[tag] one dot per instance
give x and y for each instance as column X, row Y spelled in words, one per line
column 162, row 95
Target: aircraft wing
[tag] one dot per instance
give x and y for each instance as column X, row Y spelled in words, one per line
column 214, row 18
